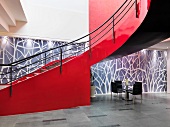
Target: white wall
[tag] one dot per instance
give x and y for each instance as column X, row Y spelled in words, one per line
column 53, row 19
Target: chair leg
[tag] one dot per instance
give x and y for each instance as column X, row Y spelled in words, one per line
column 121, row 96
column 133, row 99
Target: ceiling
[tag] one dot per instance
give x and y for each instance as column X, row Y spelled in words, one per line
column 164, row 45
column 11, row 11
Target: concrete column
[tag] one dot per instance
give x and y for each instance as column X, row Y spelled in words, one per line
column 168, row 71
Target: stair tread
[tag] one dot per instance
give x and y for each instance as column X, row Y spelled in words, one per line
column 43, row 69
column 36, row 73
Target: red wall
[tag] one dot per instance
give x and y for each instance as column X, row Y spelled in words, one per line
column 49, row 90
column 101, row 10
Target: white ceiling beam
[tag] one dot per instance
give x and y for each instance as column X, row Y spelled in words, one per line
column 6, row 13
column 3, row 25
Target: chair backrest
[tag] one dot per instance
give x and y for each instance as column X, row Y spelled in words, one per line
column 137, row 88
column 118, row 82
column 116, row 87
column 113, row 87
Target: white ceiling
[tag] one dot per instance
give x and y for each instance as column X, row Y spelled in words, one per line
column 16, row 9
column 10, row 12
column 162, row 45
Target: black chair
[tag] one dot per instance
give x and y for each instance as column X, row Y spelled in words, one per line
column 116, row 88
column 137, row 90
column 118, row 82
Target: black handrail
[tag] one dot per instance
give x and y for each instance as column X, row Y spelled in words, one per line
column 61, row 52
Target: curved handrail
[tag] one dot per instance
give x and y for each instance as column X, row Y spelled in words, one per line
column 60, row 53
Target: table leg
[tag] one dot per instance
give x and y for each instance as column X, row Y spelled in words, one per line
column 127, row 96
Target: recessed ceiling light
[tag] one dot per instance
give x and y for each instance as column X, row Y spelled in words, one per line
column 29, row 43
column 167, row 47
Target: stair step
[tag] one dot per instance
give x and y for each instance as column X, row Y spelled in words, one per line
column 49, row 67
column 56, row 64
column 66, row 60
column 43, row 70
column 37, row 73
column 3, row 86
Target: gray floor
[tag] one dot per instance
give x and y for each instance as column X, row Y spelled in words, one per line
column 154, row 111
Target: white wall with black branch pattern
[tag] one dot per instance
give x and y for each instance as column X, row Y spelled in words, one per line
column 146, row 66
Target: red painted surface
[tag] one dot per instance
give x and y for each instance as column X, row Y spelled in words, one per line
column 138, row 8
column 52, row 90
column 148, row 4
column 101, row 10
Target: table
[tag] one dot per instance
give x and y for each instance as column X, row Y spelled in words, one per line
column 126, row 90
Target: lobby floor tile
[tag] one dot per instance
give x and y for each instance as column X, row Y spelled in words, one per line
column 154, row 111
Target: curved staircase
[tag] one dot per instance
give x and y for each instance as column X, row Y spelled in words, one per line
column 65, row 82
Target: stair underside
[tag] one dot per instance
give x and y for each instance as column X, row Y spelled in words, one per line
column 154, row 29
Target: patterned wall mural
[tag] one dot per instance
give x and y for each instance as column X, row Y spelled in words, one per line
column 147, row 66
column 13, row 49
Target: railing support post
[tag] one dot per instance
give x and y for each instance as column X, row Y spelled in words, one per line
column 41, row 61
column 45, row 58
column 61, row 60
column 11, row 80
column 53, row 58
column 114, row 41
column 136, row 8
column 29, row 66
column 85, row 45
column 148, row 4
column 89, row 46
column 28, row 70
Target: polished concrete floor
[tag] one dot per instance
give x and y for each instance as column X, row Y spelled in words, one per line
column 154, row 111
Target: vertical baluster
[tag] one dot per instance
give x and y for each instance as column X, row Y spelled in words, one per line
column 53, row 58
column 29, row 66
column 90, row 46
column 11, row 80
column 84, row 45
column 40, row 63
column 45, row 58
column 114, row 30
column 136, row 7
column 148, row 4
column 61, row 60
